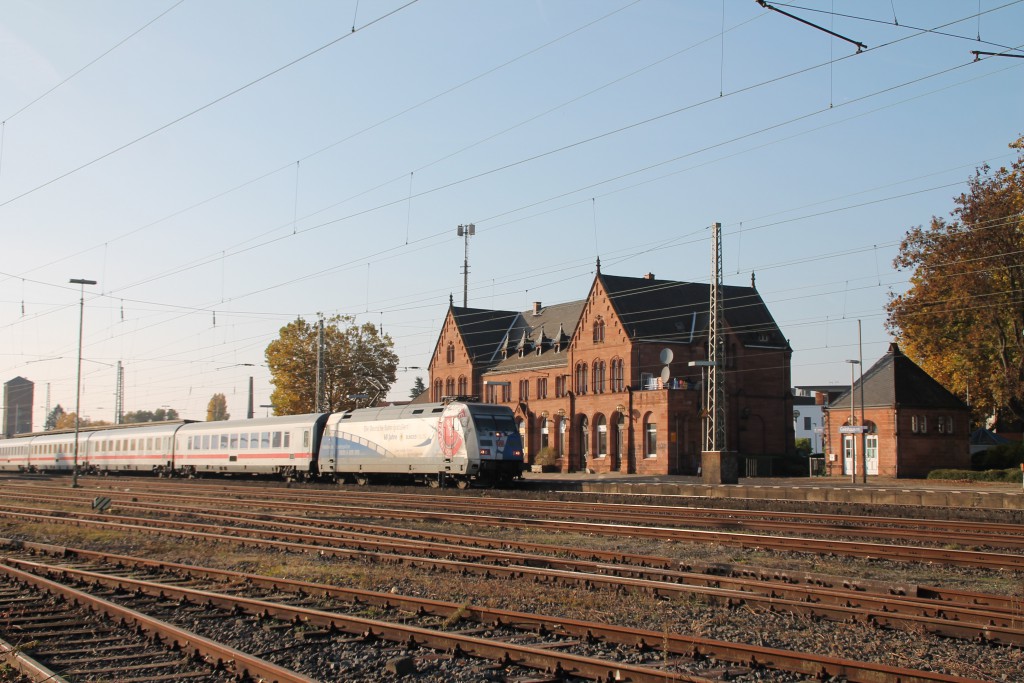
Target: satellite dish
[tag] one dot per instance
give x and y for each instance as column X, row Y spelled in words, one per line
column 665, row 373
column 666, row 356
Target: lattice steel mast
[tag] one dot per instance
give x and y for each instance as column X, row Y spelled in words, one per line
column 714, row 425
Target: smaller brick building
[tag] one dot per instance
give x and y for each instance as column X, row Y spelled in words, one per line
column 914, row 424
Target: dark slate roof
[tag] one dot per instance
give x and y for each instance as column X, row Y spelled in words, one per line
column 540, row 330
column 897, row 380
column 483, row 330
column 671, row 311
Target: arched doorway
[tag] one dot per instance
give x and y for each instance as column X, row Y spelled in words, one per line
column 584, row 441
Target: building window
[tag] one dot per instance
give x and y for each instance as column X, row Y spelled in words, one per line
column 599, row 330
column 559, row 386
column 492, row 393
column 506, row 393
column 542, row 387
column 544, row 441
column 617, row 380
column 599, row 377
column 807, row 424
column 949, row 425
column 524, row 390
column 450, row 356
column 581, row 378
column 563, row 429
column 651, row 442
column 437, row 391
column 449, row 387
column 602, row 436
column 919, row 424
column 462, row 386
column 647, row 381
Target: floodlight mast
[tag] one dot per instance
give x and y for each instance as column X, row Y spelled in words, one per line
column 466, row 231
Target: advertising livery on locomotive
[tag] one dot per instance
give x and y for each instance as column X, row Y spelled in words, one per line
column 434, row 443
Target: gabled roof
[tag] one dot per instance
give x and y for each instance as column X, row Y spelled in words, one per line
column 482, row 330
column 560, row 318
column 671, row 311
column 895, row 380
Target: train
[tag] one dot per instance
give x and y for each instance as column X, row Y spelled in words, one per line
column 458, row 443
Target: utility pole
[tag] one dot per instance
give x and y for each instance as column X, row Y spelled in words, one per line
column 319, row 366
column 466, row 231
column 78, row 378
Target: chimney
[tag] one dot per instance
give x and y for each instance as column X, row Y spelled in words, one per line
column 536, row 308
column 649, row 276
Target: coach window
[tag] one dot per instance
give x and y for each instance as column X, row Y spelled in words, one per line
column 305, row 438
column 133, row 445
column 149, row 443
column 243, row 442
column 265, row 440
column 206, row 442
column 277, row 439
column 254, row 440
column 234, row 441
column 223, row 441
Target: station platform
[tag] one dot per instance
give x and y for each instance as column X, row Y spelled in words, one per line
column 877, row 491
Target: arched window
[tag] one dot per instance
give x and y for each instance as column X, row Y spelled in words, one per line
column 599, row 330
column 449, row 387
column 437, row 391
column 602, row 436
column 651, row 440
column 544, row 437
column 581, row 378
column 463, row 391
column 450, row 355
column 599, row 376
column 616, row 378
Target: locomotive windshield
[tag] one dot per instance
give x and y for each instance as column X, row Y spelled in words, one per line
column 503, row 424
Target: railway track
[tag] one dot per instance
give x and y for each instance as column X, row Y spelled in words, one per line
column 551, row 640
column 963, row 615
column 964, row 534
column 829, row 545
column 65, row 634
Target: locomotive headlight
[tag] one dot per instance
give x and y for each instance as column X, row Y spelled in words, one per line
column 485, row 451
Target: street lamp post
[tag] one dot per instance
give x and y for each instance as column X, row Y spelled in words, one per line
column 853, row 419
column 78, row 376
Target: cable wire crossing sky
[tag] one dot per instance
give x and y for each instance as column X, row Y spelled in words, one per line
column 220, row 169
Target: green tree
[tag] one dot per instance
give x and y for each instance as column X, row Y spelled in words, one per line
column 962, row 319
column 217, row 408
column 158, row 415
column 418, row 387
column 358, row 366
column 53, row 418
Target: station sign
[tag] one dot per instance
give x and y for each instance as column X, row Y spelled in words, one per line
column 853, row 429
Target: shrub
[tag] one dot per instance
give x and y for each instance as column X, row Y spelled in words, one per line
column 1012, row 475
column 999, row 457
column 547, row 457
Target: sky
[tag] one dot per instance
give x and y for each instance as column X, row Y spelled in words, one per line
column 221, row 168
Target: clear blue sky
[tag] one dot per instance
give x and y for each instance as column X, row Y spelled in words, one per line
column 220, row 174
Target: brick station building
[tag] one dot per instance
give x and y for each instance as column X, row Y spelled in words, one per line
column 914, row 424
column 604, row 384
